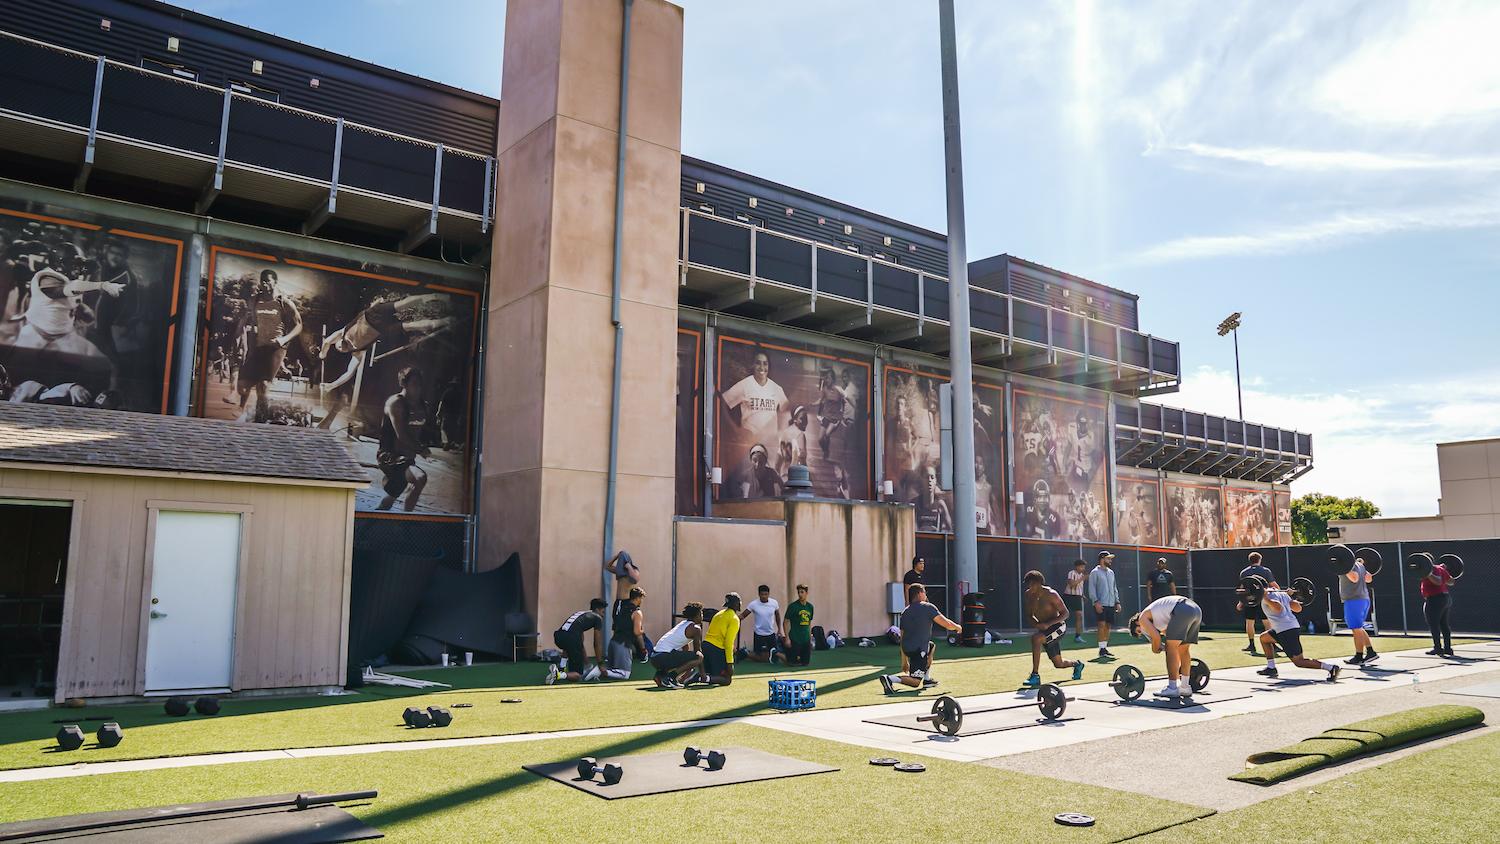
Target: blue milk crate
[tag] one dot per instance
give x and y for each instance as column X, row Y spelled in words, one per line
column 791, row 695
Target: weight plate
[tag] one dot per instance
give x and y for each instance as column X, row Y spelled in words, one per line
column 1198, row 677
column 1371, row 559
column 910, row 767
column 950, row 716
column 1341, row 558
column 1454, row 564
column 1051, row 701
column 1304, row 591
column 885, row 761
column 1129, row 682
column 502, row 700
column 1073, row 819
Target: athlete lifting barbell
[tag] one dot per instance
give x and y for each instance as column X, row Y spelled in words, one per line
column 1437, row 575
column 1281, row 608
column 1171, row 623
column 1356, row 571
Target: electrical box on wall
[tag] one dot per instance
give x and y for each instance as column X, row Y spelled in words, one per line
column 895, row 599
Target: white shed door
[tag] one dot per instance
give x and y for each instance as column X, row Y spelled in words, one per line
column 190, row 635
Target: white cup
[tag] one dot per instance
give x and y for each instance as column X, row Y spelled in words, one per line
column 468, row 657
column 445, row 660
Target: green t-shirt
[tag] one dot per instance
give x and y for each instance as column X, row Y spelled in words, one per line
column 800, row 615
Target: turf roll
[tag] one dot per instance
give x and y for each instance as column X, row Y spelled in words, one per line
column 1356, row 739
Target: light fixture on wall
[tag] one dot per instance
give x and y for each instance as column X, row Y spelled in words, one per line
column 257, row 66
column 104, row 24
column 888, row 487
column 172, row 43
column 716, row 476
column 754, row 202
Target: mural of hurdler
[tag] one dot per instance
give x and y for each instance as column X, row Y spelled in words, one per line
column 779, row 407
column 383, row 362
column 84, row 313
column 1137, row 511
column 1061, row 484
column 1194, row 516
column 913, row 451
column 1249, row 517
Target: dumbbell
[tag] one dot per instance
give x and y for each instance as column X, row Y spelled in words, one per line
column 441, row 717
column 70, row 737
column 587, row 769
column 176, row 706
column 716, row 758
column 109, row 734
column 414, row 717
column 206, row 705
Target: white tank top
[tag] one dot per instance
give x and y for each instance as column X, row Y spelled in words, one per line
column 675, row 639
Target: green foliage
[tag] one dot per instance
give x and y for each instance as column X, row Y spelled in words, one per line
column 1311, row 513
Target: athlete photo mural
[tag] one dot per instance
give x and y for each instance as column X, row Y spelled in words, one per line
column 1194, row 516
column 1062, row 489
column 384, row 362
column 779, row 407
column 1283, row 517
column 913, row 451
column 1137, row 510
column 1249, row 517
column 86, row 311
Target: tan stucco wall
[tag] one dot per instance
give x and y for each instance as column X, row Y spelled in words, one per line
column 550, row 344
column 293, row 619
column 1469, row 479
column 846, row 553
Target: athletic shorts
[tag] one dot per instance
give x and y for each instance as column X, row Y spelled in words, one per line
column 394, row 469
column 1183, row 624
column 714, row 661
column 916, row 661
column 1074, row 603
column 1289, row 640
column 665, row 661
column 800, row 653
column 1254, row 613
column 621, row 655
column 1356, row 611
column 1054, row 647
column 261, row 364
column 571, row 644
column 1107, row 615
column 765, row 643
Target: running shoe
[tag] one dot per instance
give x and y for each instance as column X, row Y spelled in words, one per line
column 552, row 673
column 1033, row 682
column 1435, row 652
column 885, row 683
column 1333, row 673
column 1077, row 639
column 1104, row 652
column 1267, row 672
column 928, row 683
column 1251, row 649
column 1078, row 669
column 1370, row 656
column 1357, row 659
column 1448, row 652
column 1169, row 691
column 592, row 674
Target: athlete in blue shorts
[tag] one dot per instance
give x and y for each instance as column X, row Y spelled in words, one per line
column 1354, row 591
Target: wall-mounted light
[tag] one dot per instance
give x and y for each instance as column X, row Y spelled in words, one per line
column 848, row 229
column 911, row 247
column 699, row 187
column 754, row 202
column 104, row 24
column 312, row 83
column 886, row 240
column 789, row 212
column 822, row 220
column 888, row 487
column 257, row 66
column 172, row 43
column 716, row 476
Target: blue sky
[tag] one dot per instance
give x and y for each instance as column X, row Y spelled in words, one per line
column 1330, row 169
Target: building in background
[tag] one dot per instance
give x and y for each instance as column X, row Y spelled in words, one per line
column 1468, row 507
column 200, row 219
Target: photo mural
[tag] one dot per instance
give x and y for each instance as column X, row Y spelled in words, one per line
column 1061, row 445
column 913, row 451
column 1137, row 509
column 1195, row 517
column 1249, row 517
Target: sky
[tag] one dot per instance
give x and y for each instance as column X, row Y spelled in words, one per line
column 1331, row 170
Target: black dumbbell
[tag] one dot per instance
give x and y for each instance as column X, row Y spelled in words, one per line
column 176, row 706
column 109, row 734
column 70, row 737
column 716, row 758
column 207, row 705
column 587, row 768
column 441, row 717
column 414, row 717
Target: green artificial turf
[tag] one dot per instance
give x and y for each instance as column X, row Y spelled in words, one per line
column 1449, row 794
column 1355, row 739
column 481, row 794
column 845, row 677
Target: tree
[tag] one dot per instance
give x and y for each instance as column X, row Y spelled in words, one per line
column 1311, row 513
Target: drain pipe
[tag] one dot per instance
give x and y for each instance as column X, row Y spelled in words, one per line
column 614, row 318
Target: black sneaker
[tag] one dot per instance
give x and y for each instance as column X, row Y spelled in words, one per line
column 1371, row 656
column 1435, row 652
column 1448, row 652
column 885, row 683
column 1333, row 673
column 928, row 683
column 1251, row 649
column 1268, row 671
column 1104, row 652
column 1357, row 659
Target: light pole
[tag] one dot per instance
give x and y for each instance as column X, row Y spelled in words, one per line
column 1231, row 325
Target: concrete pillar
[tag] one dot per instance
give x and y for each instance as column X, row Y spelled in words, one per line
column 550, row 346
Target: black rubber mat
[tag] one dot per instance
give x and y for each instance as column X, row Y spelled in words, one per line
column 659, row 773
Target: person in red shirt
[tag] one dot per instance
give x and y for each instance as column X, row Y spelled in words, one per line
column 1435, row 603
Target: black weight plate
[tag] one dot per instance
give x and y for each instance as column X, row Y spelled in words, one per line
column 1341, row 558
column 1198, row 677
column 1051, row 701
column 1129, row 682
column 885, row 761
column 1453, row 563
column 1371, row 558
column 951, row 716
column 1073, row 819
column 910, row 767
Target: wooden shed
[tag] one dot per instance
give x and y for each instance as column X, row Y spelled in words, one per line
column 144, row 555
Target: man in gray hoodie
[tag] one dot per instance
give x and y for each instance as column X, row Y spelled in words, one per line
column 1106, row 597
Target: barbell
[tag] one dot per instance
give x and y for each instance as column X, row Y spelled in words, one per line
column 947, row 715
column 1342, row 559
column 1129, row 683
column 1253, row 588
column 1422, row 563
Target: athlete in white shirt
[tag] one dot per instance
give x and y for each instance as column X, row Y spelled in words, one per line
column 767, row 612
column 761, row 402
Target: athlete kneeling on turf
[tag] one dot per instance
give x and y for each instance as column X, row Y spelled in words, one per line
column 1171, row 623
column 718, row 643
column 1048, row 612
column 678, row 651
column 916, row 641
column 569, row 639
column 1281, row 614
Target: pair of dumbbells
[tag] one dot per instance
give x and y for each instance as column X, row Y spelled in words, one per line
column 432, row 716
column 70, row 737
column 588, row 766
column 715, row 758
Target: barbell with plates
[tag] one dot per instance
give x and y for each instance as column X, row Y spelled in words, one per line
column 947, row 715
column 694, row 755
column 587, row 769
column 1253, row 588
column 1422, row 563
column 1342, row 559
column 1129, row 683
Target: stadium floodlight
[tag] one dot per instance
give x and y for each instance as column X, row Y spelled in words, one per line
column 1231, row 324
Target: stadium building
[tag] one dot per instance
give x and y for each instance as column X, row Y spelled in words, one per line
column 531, row 356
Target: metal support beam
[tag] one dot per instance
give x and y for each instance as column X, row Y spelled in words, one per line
column 1151, row 455
column 324, row 210
column 87, row 166
column 861, row 320
column 1181, row 450
column 793, row 311
column 987, row 351
column 738, row 296
column 896, row 335
column 425, row 231
column 211, row 190
column 1031, row 362
column 1223, row 456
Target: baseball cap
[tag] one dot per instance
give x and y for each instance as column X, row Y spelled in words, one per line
column 1104, row 554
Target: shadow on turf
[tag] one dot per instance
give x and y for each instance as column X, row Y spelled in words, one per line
column 636, row 742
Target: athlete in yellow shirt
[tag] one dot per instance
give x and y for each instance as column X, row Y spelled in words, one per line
column 718, row 643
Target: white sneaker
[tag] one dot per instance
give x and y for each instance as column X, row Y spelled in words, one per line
column 562, row 664
column 552, row 673
column 1169, row 691
column 592, row 674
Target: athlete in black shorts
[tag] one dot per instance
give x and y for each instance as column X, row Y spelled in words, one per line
column 569, row 639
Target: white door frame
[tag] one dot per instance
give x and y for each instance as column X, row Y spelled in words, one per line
column 76, row 500
column 154, row 507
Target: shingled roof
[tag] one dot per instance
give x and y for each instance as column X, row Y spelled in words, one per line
column 77, row 436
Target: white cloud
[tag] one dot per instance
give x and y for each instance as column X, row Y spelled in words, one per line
column 1339, row 228
column 1377, row 446
column 1309, row 160
column 1436, row 65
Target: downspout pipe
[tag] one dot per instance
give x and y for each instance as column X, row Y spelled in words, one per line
column 607, row 582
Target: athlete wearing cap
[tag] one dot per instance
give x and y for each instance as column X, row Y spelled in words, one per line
column 1106, row 597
